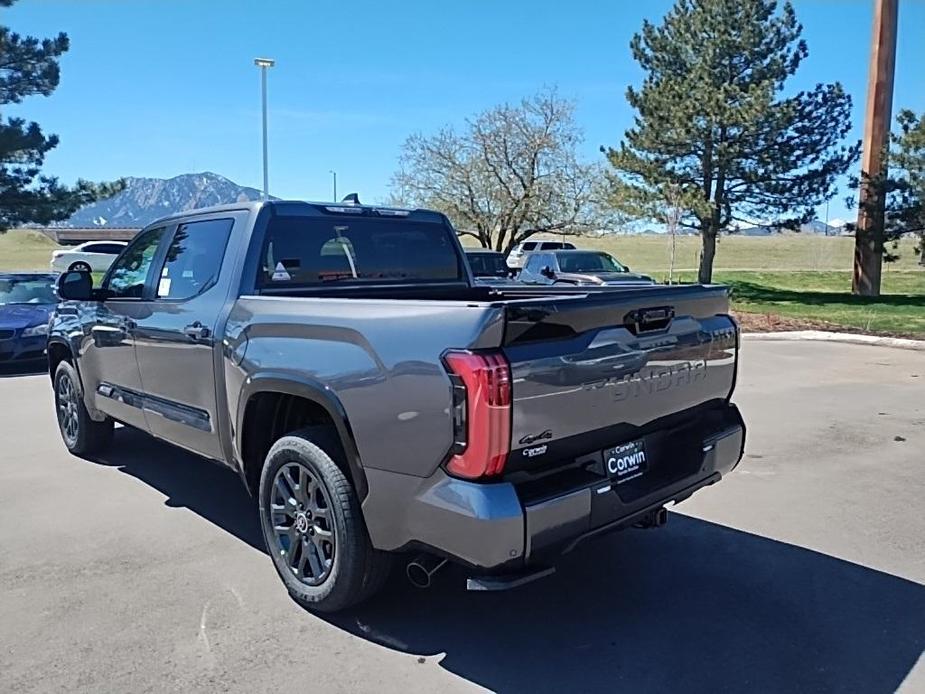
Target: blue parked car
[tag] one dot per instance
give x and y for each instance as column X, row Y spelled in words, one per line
column 26, row 302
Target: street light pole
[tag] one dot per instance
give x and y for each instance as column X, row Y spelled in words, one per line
column 334, row 174
column 264, row 64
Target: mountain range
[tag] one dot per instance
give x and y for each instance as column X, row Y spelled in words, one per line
column 813, row 227
column 145, row 199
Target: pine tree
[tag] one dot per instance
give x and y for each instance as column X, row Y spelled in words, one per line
column 905, row 203
column 713, row 124
column 29, row 67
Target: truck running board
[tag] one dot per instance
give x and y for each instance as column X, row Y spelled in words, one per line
column 507, row 581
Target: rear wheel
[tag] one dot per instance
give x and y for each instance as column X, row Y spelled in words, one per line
column 313, row 525
column 79, row 266
column 80, row 433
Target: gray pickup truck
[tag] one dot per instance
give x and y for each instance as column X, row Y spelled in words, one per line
column 378, row 403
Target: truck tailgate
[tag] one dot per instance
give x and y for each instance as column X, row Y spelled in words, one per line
column 603, row 367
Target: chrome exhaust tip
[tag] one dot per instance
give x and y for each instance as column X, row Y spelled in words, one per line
column 421, row 569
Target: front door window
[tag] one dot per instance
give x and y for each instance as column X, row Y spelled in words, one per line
column 128, row 274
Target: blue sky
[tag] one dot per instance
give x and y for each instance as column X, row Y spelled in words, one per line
column 163, row 87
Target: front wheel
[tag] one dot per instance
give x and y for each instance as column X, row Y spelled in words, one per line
column 81, row 434
column 313, row 525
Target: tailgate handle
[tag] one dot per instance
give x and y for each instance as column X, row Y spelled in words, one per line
column 648, row 320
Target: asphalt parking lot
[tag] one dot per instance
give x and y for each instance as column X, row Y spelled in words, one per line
column 144, row 571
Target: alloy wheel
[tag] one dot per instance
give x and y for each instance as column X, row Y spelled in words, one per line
column 303, row 523
column 67, row 409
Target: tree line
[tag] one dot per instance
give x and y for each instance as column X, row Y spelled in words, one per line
column 716, row 139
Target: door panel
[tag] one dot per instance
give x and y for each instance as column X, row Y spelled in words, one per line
column 175, row 343
column 109, row 368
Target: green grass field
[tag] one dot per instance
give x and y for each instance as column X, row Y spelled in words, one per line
column 650, row 253
column 825, row 296
column 25, row 250
column 799, row 277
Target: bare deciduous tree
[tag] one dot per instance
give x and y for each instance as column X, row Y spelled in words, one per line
column 512, row 173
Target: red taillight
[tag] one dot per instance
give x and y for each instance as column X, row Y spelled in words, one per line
column 481, row 412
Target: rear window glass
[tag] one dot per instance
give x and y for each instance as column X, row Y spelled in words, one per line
column 316, row 251
column 487, row 264
column 588, row 262
column 529, row 246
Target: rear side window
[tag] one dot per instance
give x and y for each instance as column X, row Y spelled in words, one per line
column 326, row 250
column 528, row 246
column 194, row 258
column 107, row 248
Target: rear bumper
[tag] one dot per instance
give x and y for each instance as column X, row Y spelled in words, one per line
column 502, row 526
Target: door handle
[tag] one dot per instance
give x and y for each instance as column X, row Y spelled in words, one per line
column 197, row 331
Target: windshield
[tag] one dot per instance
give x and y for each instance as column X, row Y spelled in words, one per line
column 37, row 290
column 589, row 262
column 487, row 264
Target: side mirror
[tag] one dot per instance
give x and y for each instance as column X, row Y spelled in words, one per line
column 548, row 272
column 75, row 286
column 626, row 268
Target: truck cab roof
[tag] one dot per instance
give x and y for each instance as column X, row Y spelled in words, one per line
column 302, row 207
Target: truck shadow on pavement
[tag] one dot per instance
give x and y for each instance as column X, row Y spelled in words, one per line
column 693, row 607
column 210, row 490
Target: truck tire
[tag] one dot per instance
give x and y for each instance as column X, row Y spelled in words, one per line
column 81, row 435
column 313, row 524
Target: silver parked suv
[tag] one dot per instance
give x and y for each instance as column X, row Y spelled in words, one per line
column 515, row 259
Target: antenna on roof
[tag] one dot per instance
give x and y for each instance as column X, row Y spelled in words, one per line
column 352, row 199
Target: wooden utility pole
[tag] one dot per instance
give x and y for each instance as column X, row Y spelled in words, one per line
column 868, row 242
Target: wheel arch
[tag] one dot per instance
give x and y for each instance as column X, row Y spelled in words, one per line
column 312, row 392
column 59, row 350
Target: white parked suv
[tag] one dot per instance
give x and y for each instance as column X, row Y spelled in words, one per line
column 515, row 259
column 92, row 256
